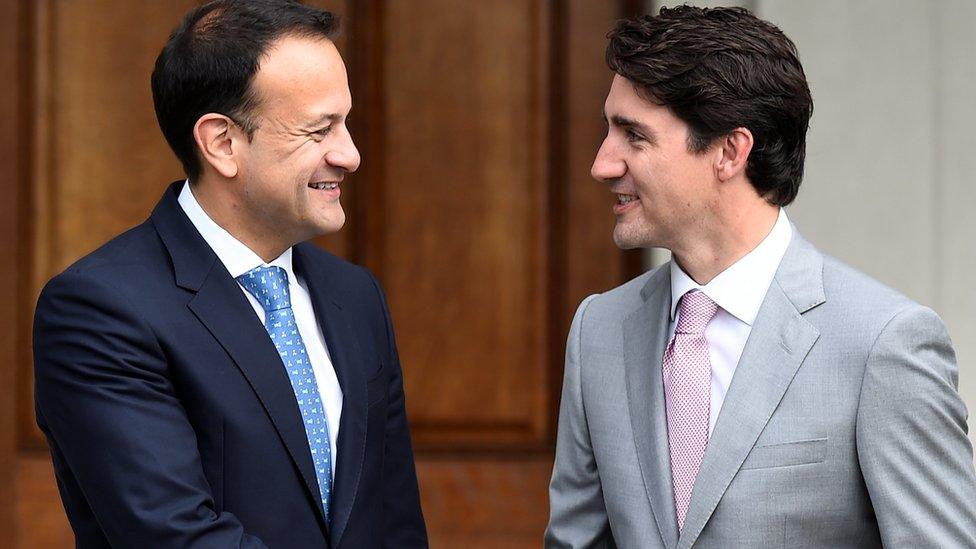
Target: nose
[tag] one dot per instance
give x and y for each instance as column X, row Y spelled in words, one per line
column 607, row 165
column 344, row 155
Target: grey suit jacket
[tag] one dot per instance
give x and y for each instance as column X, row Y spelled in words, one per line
column 842, row 426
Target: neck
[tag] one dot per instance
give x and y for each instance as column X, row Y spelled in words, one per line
column 724, row 238
column 227, row 211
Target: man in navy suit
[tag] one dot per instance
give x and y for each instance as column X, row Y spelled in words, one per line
column 207, row 379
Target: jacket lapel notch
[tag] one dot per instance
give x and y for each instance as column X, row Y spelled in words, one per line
column 645, row 334
column 800, row 274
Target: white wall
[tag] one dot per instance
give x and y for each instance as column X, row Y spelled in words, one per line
column 889, row 184
column 955, row 186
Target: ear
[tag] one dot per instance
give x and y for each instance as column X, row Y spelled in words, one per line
column 735, row 148
column 218, row 142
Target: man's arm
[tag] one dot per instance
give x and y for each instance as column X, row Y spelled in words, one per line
column 118, row 432
column 577, row 513
column 403, row 520
column 911, row 436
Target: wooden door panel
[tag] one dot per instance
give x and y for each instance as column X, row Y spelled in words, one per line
column 41, row 523
column 13, row 305
column 98, row 162
column 101, row 162
column 463, row 209
column 485, row 502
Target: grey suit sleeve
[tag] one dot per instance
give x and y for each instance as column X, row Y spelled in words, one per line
column 577, row 515
column 911, row 436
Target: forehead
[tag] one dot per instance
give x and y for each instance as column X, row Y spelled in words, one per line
column 624, row 101
column 305, row 73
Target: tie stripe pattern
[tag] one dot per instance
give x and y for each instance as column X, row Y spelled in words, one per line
column 687, row 392
column 269, row 285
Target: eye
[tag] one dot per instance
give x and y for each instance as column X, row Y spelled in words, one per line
column 634, row 137
column 321, row 133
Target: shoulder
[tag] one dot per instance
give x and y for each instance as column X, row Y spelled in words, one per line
column 129, row 265
column 133, row 246
column 864, row 300
column 618, row 302
column 324, row 259
column 602, row 315
column 352, row 287
column 354, row 290
column 847, row 284
column 869, row 318
column 344, row 277
column 106, row 300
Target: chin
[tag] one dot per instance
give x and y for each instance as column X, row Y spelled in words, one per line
column 329, row 226
column 622, row 243
column 329, row 221
column 626, row 239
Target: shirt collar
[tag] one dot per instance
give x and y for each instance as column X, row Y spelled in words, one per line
column 234, row 254
column 741, row 288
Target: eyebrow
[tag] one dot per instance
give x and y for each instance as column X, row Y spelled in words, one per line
column 631, row 124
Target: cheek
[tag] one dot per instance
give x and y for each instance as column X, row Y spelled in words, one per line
column 306, row 168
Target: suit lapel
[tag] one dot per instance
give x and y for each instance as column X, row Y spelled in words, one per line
column 778, row 343
column 645, row 334
column 221, row 307
column 347, row 359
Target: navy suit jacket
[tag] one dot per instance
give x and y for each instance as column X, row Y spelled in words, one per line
column 172, row 422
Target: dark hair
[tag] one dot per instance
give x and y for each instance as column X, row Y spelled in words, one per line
column 720, row 69
column 209, row 62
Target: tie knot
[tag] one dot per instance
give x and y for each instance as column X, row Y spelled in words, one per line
column 269, row 285
column 695, row 312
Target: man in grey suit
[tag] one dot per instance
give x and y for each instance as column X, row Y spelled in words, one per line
column 753, row 392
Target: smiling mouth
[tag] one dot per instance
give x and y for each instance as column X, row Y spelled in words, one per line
column 624, row 199
column 323, row 186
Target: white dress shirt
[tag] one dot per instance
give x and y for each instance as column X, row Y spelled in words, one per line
column 738, row 291
column 239, row 259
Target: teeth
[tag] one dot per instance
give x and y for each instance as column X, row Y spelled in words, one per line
column 321, row 186
column 625, row 198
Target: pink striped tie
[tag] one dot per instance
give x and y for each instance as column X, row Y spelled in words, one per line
column 687, row 394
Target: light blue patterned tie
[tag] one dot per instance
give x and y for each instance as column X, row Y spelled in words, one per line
column 269, row 285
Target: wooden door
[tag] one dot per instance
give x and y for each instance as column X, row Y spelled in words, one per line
column 477, row 122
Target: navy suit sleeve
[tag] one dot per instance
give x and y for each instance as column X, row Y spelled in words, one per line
column 117, row 430
column 403, row 520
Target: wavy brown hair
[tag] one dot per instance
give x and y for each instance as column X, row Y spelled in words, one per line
column 719, row 69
